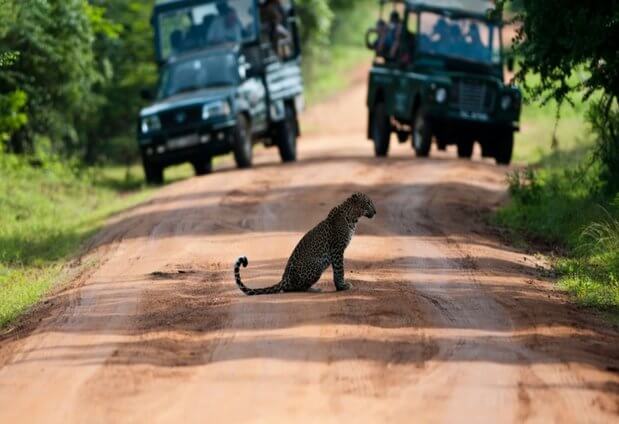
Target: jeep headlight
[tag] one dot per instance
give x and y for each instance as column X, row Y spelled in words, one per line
column 440, row 95
column 150, row 124
column 506, row 102
column 218, row 108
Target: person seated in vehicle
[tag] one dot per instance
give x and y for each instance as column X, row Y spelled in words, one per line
column 456, row 43
column 176, row 41
column 381, row 31
column 226, row 27
column 439, row 37
column 392, row 39
column 273, row 16
column 196, row 34
column 475, row 46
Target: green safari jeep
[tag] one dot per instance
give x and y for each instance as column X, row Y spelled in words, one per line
column 438, row 74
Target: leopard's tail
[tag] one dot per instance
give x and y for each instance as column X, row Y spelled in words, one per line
column 252, row 292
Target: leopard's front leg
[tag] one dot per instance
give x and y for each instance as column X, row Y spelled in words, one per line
column 337, row 263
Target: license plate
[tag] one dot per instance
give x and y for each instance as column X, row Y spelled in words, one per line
column 181, row 142
column 475, row 116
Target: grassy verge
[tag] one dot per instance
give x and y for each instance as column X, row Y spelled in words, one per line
column 557, row 203
column 48, row 211
column 328, row 71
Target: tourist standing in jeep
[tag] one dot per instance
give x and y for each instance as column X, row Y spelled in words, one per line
column 230, row 77
column 438, row 74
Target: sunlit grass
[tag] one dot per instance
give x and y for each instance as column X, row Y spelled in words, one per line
column 47, row 213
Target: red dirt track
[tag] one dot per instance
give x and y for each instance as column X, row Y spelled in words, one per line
column 444, row 324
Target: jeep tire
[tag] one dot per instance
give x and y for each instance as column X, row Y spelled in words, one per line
column 504, row 147
column 286, row 136
column 242, row 143
column 465, row 149
column 202, row 166
column 381, row 130
column 422, row 134
column 153, row 173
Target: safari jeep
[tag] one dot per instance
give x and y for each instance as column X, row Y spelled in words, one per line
column 438, row 75
column 230, row 77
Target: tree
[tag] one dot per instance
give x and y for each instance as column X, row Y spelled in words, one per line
column 57, row 73
column 128, row 56
column 316, row 17
column 558, row 37
column 12, row 103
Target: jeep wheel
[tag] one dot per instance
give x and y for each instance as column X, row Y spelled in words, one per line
column 422, row 135
column 381, row 130
column 504, row 147
column 286, row 136
column 487, row 150
column 465, row 149
column 242, row 143
column 202, row 167
column 153, row 173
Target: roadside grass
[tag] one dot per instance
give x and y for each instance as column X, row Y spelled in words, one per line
column 328, row 71
column 48, row 210
column 556, row 203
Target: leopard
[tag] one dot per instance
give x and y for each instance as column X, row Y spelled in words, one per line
column 319, row 248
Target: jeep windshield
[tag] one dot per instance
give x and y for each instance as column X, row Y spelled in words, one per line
column 467, row 39
column 198, row 73
column 205, row 25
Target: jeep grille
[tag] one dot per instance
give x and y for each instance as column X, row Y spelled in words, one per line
column 472, row 96
column 181, row 118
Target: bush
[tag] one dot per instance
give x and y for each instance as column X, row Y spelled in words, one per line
column 604, row 119
column 561, row 208
column 558, row 38
column 56, row 69
column 12, row 116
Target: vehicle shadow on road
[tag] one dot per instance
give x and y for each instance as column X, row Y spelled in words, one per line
column 207, row 200
column 239, row 211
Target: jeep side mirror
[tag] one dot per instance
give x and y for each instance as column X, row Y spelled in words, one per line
column 510, row 64
column 146, row 94
column 244, row 70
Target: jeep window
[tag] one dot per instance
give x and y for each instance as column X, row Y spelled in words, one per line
column 195, row 74
column 460, row 38
column 206, row 25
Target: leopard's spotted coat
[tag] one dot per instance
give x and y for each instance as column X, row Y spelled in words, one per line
column 322, row 246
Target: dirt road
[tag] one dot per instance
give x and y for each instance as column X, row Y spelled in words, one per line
column 444, row 324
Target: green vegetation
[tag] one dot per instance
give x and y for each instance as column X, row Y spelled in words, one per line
column 568, row 198
column 543, row 137
column 48, row 208
column 553, row 205
column 328, row 70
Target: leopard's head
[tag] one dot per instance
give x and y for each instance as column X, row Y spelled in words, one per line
column 362, row 205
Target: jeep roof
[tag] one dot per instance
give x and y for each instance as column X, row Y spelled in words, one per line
column 478, row 8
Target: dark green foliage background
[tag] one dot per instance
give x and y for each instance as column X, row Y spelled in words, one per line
column 572, row 46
